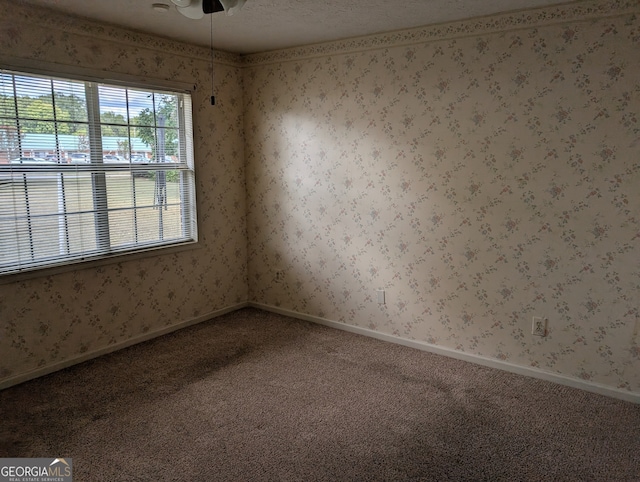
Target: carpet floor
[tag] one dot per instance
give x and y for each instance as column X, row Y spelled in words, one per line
column 253, row 396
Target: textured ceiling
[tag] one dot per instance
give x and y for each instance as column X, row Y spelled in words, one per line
column 264, row 25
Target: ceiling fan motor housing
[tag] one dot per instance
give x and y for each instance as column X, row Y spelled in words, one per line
column 212, row 6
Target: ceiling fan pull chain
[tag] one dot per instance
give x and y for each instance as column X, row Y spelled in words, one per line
column 213, row 97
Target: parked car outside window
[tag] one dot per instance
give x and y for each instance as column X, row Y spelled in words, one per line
column 166, row 159
column 113, row 158
column 31, row 160
column 79, row 158
column 138, row 159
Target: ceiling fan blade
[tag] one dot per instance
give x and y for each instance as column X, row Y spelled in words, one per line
column 212, row 6
column 232, row 6
column 194, row 10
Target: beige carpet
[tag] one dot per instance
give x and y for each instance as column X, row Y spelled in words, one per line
column 258, row 396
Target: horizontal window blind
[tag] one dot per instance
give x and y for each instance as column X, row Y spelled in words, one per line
column 91, row 170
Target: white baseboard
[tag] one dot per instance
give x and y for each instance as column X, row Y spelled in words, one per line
column 633, row 397
column 23, row 377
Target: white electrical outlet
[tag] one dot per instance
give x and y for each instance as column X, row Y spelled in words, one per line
column 539, row 326
column 380, row 297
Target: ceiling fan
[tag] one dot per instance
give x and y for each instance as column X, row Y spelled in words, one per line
column 196, row 9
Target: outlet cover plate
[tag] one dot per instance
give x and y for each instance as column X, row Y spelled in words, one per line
column 539, row 326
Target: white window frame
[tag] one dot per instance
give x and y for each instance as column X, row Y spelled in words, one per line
column 106, row 252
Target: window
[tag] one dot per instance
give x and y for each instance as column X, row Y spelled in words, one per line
column 91, row 170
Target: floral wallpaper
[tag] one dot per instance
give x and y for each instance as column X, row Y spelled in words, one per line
column 480, row 172
column 49, row 320
column 481, row 177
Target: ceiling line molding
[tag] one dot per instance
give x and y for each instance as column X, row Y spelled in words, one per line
column 579, row 11
column 13, row 14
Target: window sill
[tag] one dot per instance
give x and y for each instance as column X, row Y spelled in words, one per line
column 95, row 263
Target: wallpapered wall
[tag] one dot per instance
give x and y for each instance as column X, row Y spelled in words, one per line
column 47, row 320
column 480, row 172
column 480, row 179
